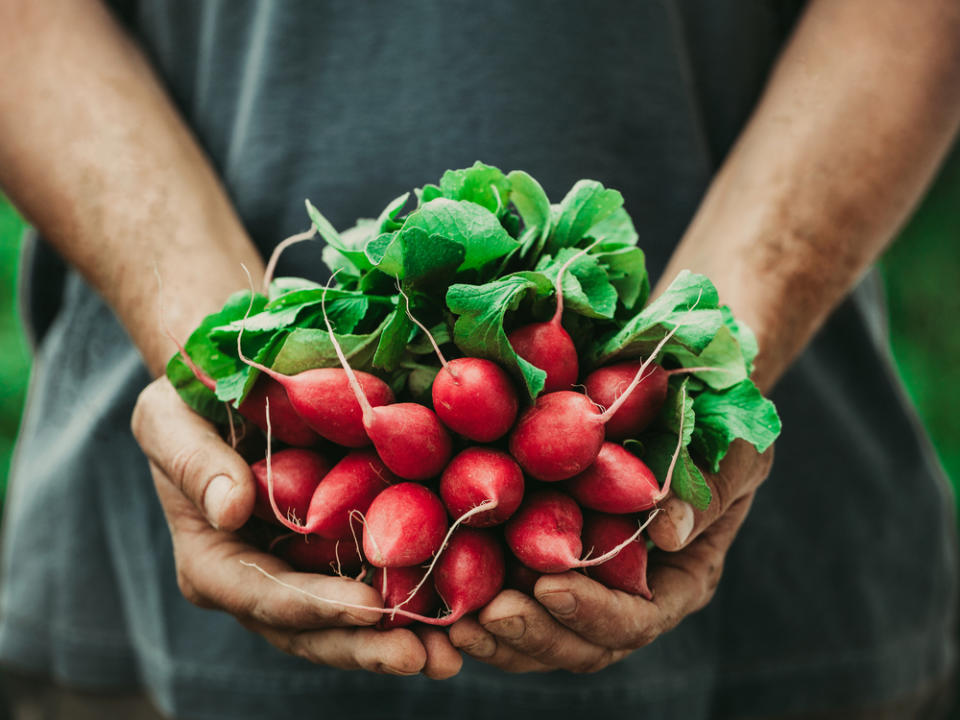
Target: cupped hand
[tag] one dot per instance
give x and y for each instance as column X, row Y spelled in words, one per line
column 577, row 624
column 207, row 493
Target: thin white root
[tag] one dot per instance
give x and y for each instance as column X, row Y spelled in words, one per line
column 612, row 553
column 665, row 490
column 278, row 250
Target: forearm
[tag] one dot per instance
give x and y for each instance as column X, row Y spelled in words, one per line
column 95, row 155
column 858, row 113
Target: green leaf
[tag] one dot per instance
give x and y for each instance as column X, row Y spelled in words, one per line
column 415, row 257
column 696, row 328
column 387, row 222
column 587, row 204
column 744, row 336
column 394, row 338
column 209, row 356
column 234, row 387
column 531, row 202
column 479, row 328
column 586, row 289
column 688, row 482
column 427, row 193
column 627, row 271
column 482, row 184
column 282, row 285
column 737, row 412
column 616, row 228
column 307, row 348
column 723, row 353
column 420, row 345
column 466, row 223
column 333, row 239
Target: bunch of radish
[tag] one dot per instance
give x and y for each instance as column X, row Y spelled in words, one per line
column 524, row 448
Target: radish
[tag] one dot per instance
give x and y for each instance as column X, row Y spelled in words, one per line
column 409, row 437
column 544, row 534
column 520, row 577
column 295, row 475
column 547, row 345
column 352, row 485
column 396, row 586
column 627, row 570
column 561, row 435
column 404, row 525
column 617, row 482
column 472, row 396
column 312, row 553
column 479, row 475
column 605, row 385
column 469, row 575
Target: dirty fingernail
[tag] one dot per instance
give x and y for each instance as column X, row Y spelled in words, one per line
column 511, row 628
column 559, row 603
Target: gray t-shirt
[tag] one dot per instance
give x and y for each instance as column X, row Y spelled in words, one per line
column 841, row 586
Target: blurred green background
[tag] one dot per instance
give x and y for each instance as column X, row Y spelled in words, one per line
column 921, row 271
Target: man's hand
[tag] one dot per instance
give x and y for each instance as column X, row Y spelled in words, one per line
column 207, row 492
column 582, row 626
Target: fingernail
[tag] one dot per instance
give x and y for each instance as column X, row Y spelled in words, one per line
column 397, row 671
column 559, row 603
column 215, row 497
column 482, row 648
column 511, row 628
column 681, row 515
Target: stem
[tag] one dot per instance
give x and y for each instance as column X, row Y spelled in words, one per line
column 608, row 413
column 482, row 507
column 253, row 363
column 610, row 554
column 680, row 370
column 558, row 315
column 436, row 348
column 447, row 620
column 273, row 502
column 275, row 256
column 676, row 453
column 351, row 378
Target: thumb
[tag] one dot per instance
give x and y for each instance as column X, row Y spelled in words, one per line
column 188, row 450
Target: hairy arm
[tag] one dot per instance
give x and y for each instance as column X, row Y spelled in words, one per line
column 93, row 152
column 860, row 110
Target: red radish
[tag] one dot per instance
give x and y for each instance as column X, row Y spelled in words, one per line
column 606, row 384
column 312, row 553
column 561, row 435
column 547, row 345
column 618, row 482
column 295, row 474
column 470, row 573
column 475, row 398
column 404, row 526
column 351, row 485
column 558, row 437
column 472, row 396
column 478, row 475
column 409, row 437
column 395, row 586
column 627, row 570
column 544, row 534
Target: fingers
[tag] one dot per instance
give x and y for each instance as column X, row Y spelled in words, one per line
column 443, row 659
column 211, row 573
column 191, row 454
column 741, row 473
column 469, row 635
column 395, row 652
column 521, row 631
column 682, row 583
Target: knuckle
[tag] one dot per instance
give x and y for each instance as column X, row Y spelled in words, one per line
column 139, row 419
column 592, row 665
column 297, row 643
column 188, row 588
